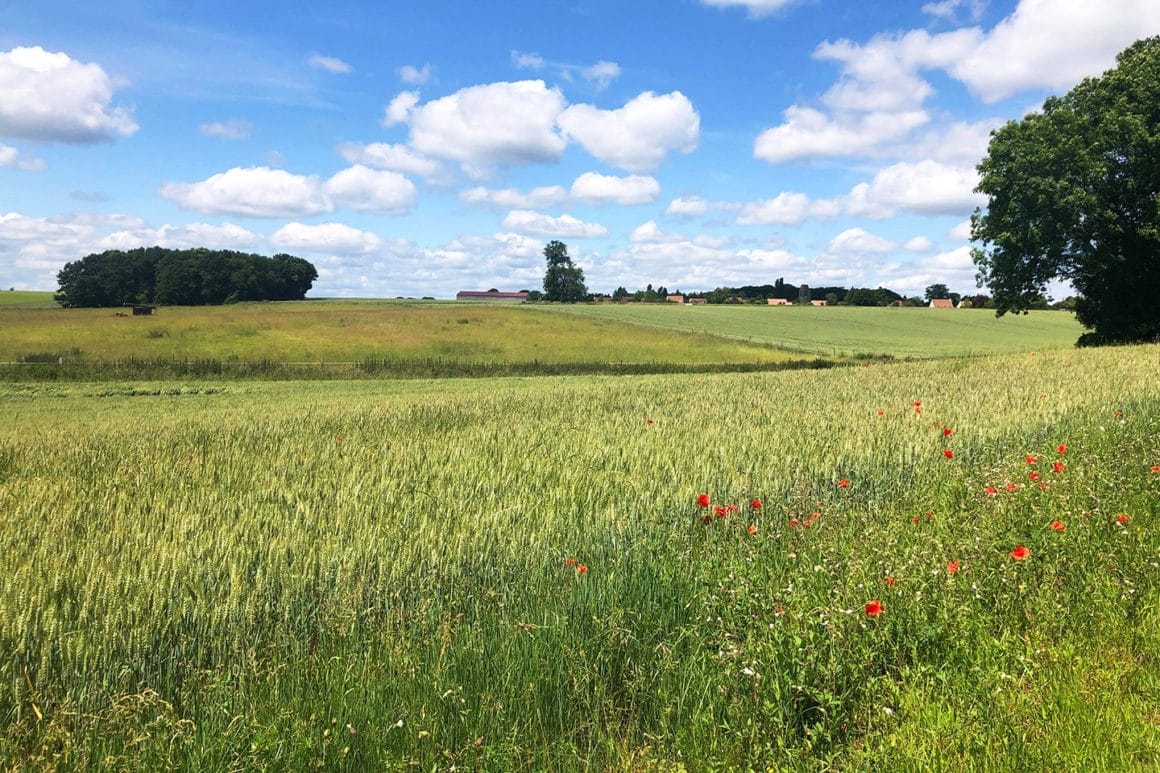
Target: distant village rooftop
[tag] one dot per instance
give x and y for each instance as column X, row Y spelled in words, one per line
column 490, row 295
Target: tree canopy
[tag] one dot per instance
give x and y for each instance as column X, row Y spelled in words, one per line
column 182, row 278
column 563, row 281
column 1074, row 194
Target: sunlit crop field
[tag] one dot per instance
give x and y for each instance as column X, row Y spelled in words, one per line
column 348, row 331
column 517, row 574
column 852, row 330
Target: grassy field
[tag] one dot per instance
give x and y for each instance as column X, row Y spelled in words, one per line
column 30, row 299
column 347, row 331
column 943, row 565
column 846, row 331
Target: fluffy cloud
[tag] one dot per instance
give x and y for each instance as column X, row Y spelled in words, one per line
column 564, row 226
column 1053, row 44
column 190, row 235
column 252, row 192
column 687, row 206
column 485, row 127
column 361, row 188
column 329, row 64
column 234, row 129
column 787, row 208
column 400, row 108
column 397, row 158
column 925, row 188
column 592, row 188
column 638, row 136
column 510, row 198
column 49, row 97
column 857, row 241
column 809, row 133
column 336, row 238
column 755, row 8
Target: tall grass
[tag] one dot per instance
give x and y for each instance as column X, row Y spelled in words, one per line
column 385, row 574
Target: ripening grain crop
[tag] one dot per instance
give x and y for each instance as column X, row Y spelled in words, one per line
column 518, row 574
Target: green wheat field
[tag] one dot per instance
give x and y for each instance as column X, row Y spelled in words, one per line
column 946, row 563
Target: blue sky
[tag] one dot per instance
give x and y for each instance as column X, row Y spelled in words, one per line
column 420, row 149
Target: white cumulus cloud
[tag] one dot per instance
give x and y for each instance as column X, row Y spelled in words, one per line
column 638, row 136
column 926, row 188
column 510, row 198
column 397, row 158
column 337, row 238
column 362, row 188
column 486, row 127
column 50, row 97
column 252, row 192
column 415, row 76
column 593, row 188
column 786, row 208
column 564, row 226
column 188, row 236
column 809, row 133
column 858, row 241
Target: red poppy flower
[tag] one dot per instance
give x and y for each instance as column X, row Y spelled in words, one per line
column 992, row 491
column 570, row 563
column 1061, row 448
column 1057, row 467
column 1043, row 487
column 1031, row 459
column 582, row 569
column 1020, row 553
column 648, row 421
column 952, row 567
column 702, row 500
column 949, row 454
column 918, row 403
column 1058, row 525
column 1122, row 518
column 891, row 580
column 1119, row 414
column 881, row 412
column 719, row 511
column 755, row 504
column 793, row 522
column 948, row 432
column 874, row 608
column 1034, row 476
column 752, row 530
column 1012, row 487
column 843, row 483
column 1156, row 468
column 338, row 439
column 914, row 519
column 730, row 508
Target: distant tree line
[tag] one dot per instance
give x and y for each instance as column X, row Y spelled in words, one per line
column 197, row 277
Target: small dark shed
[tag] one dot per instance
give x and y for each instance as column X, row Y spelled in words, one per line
column 143, row 311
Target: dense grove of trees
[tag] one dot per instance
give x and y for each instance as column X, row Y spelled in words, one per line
column 182, row 278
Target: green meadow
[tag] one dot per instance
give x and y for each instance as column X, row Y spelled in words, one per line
column 944, row 564
column 36, row 299
column 849, row 330
column 350, row 331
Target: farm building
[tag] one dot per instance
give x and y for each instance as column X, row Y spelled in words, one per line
column 490, row 295
column 777, row 302
column 818, row 303
column 942, row 303
column 698, row 300
column 675, row 298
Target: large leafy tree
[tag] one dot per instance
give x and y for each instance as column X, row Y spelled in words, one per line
column 563, row 281
column 1074, row 194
